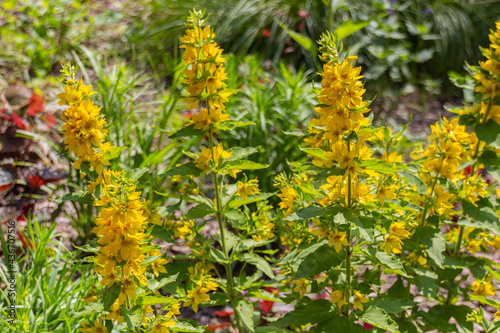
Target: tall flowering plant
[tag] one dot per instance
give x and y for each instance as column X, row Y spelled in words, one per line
column 356, row 213
column 125, row 259
column 209, row 179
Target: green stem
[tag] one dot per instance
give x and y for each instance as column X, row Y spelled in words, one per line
column 424, row 214
column 222, row 229
column 459, row 242
column 349, row 240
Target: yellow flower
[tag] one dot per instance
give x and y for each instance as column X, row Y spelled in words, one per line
column 249, row 188
column 288, row 197
column 207, row 155
column 158, row 265
column 199, row 295
column 483, row 288
column 359, row 299
column 98, row 327
column 388, row 192
column 115, row 314
column 338, row 298
column 163, row 325
column 300, row 286
column 337, row 238
column 392, row 243
column 206, row 117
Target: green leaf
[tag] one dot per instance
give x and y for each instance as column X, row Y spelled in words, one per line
column 150, row 300
column 379, row 318
column 316, row 152
column 184, row 169
column 414, row 180
column 250, row 243
column 199, row 211
column 485, row 300
column 314, row 312
column 484, row 214
column 426, row 282
column 378, row 166
column 82, row 197
column 137, row 173
column 270, row 329
column 133, row 316
column 392, row 304
column 257, row 261
column 9, row 4
column 308, row 212
column 340, row 323
column 386, row 260
column 186, row 327
column 91, row 247
column 91, row 308
column 244, row 310
column 434, row 244
column 321, row 260
column 228, row 193
column 243, row 165
column 238, row 153
column 217, row 299
column 302, row 40
column 162, row 233
column 237, row 218
column 231, row 239
column 113, row 153
column 110, row 295
column 232, row 124
column 294, row 132
column 218, row 256
column 489, row 133
column 250, row 199
column 348, row 28
column 296, row 256
column 491, row 162
column 154, row 285
column 186, row 131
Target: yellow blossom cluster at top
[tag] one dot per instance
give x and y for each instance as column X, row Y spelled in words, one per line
column 489, row 80
column 205, row 72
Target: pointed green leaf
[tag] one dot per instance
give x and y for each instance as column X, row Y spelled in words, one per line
column 379, row 318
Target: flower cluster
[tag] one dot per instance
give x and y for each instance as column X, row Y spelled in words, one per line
column 84, row 127
column 123, row 218
column 205, row 73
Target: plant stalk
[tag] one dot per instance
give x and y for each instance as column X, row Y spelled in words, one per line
column 222, row 230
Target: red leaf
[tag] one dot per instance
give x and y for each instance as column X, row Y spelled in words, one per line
column 37, row 105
